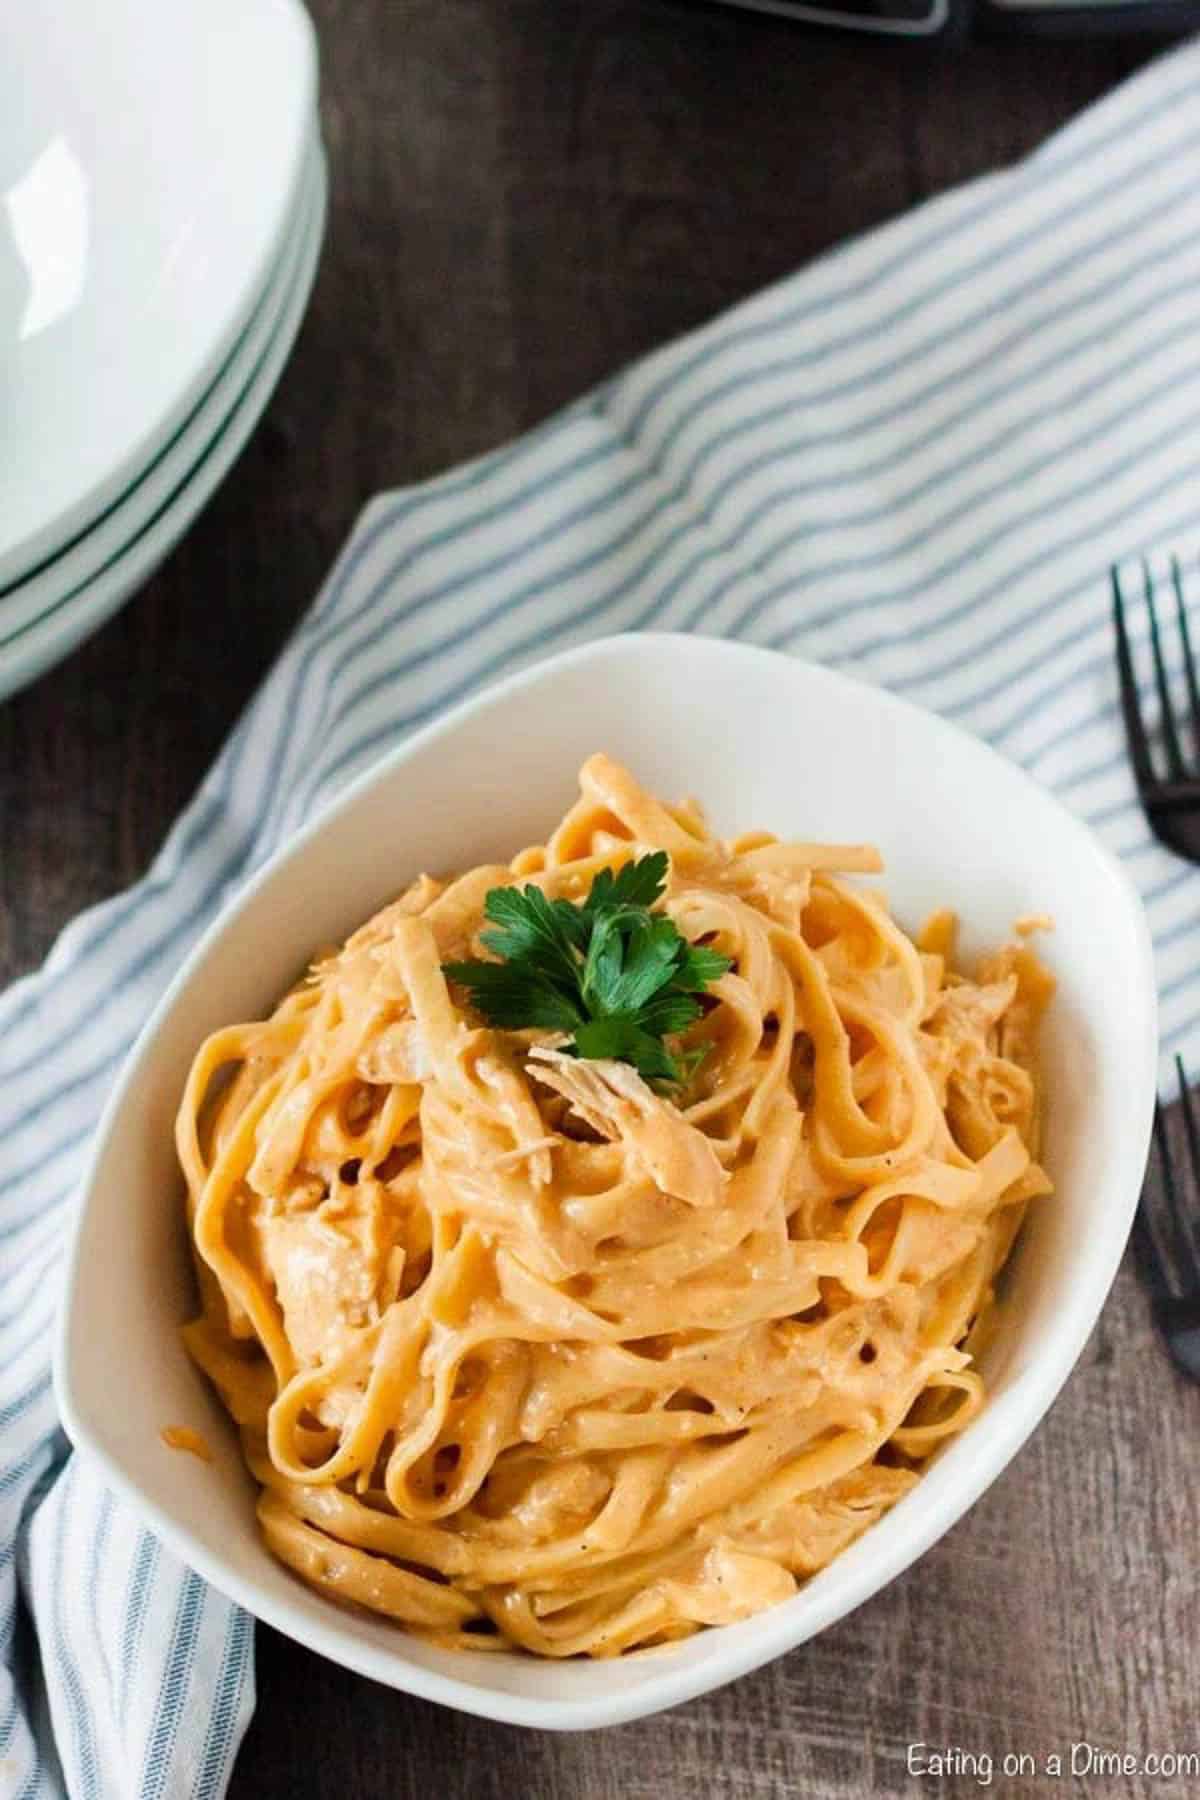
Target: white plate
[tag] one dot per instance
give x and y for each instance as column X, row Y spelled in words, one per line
column 26, row 601
column 26, row 652
column 766, row 740
column 150, row 158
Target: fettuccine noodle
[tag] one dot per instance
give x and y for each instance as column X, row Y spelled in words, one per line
column 523, row 1353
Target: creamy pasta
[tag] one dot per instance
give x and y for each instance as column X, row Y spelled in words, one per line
column 524, row 1352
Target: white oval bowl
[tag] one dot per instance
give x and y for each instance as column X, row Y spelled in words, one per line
column 764, row 740
column 150, row 159
column 104, row 568
column 27, row 601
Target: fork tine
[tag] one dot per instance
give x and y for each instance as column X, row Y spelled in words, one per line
column 1189, row 661
column 1150, row 1264
column 1135, row 730
column 1154, row 1265
column 1167, row 718
column 1183, row 1229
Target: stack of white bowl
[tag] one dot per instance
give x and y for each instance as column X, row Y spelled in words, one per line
column 162, row 203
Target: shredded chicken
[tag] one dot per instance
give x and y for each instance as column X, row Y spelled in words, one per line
column 613, row 1099
column 332, row 1270
column 965, row 1011
column 725, row 1584
column 414, row 900
column 398, row 1054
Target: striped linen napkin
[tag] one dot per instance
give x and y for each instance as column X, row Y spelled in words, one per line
column 915, row 460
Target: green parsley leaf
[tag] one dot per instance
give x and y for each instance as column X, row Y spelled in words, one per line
column 631, row 955
column 622, row 1038
column 699, row 967
column 514, row 997
column 670, row 1012
column 616, row 977
column 534, row 928
column 639, row 883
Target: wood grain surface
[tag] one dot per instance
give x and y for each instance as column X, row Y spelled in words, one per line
column 526, row 194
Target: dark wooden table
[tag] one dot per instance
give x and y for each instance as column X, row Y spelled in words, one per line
column 526, row 194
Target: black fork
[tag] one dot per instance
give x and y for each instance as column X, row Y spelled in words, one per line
column 1169, row 787
column 1167, row 1244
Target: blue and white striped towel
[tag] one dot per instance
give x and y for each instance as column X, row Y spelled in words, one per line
column 916, row 460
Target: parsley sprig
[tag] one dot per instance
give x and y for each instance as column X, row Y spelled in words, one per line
column 616, row 977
